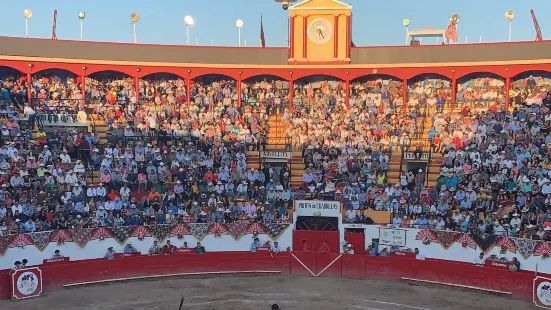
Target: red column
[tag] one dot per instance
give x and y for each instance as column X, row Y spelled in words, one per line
column 348, row 35
column 336, row 40
column 507, row 88
column 239, row 90
column 137, row 89
column 292, row 38
column 188, row 90
column 454, row 93
column 29, row 89
column 304, row 37
column 347, row 97
column 291, row 93
column 83, row 88
column 405, row 93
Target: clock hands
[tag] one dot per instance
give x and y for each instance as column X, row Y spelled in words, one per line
column 321, row 33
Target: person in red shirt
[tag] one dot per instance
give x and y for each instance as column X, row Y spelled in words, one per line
column 305, row 247
column 324, row 249
column 168, row 248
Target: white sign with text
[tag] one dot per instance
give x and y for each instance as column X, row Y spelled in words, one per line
column 317, row 208
column 276, row 155
column 390, row 237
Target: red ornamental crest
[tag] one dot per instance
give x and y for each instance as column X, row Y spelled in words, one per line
column 426, row 236
column 141, row 232
column 179, row 231
column 255, row 229
column 506, row 244
column 20, row 241
column 60, row 236
column 180, row 236
column 466, row 241
column 101, row 233
column 218, row 229
column 464, row 244
column 543, row 249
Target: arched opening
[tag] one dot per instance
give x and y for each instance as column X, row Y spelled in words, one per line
column 480, row 90
column 162, row 89
column 13, row 88
column 227, row 120
column 57, row 94
column 428, row 93
column 376, row 90
column 530, row 87
column 269, row 90
column 110, row 88
column 213, row 89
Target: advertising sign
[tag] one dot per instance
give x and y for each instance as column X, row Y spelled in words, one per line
column 317, row 208
column 390, row 237
column 276, row 155
column 26, row 283
column 542, row 292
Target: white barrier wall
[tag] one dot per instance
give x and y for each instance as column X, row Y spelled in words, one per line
column 456, row 252
column 98, row 248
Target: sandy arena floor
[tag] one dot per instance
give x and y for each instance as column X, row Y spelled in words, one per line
column 248, row 293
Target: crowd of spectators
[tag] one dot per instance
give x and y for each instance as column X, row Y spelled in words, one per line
column 165, row 161
column 480, row 93
column 169, row 161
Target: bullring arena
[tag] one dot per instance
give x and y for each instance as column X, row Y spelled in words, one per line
column 319, row 175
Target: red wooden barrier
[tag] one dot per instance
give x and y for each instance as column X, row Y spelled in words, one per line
column 355, row 266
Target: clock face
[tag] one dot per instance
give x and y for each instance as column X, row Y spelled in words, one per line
column 320, row 31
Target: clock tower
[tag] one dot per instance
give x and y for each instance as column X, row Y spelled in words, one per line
column 320, row 32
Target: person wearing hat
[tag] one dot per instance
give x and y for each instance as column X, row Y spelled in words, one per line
column 129, row 249
column 110, row 255
column 16, row 265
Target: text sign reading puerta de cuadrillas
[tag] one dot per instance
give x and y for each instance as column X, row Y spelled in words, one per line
column 317, row 208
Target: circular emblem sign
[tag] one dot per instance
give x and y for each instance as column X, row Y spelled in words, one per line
column 27, row 283
column 543, row 293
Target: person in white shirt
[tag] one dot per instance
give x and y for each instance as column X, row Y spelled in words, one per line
column 479, row 261
column 100, row 191
column 348, row 249
column 419, row 255
column 91, row 192
column 276, row 248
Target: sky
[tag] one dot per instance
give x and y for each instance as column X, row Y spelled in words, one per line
column 375, row 23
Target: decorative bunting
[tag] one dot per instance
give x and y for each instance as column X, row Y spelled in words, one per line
column 160, row 231
column 5, row 242
column 505, row 244
column 61, row 236
column 179, row 231
column 274, row 230
column 141, row 232
column 446, row 238
column 255, row 229
column 484, row 241
column 41, row 239
column 427, row 236
column 121, row 233
column 218, row 229
column 199, row 230
column 81, row 236
column 466, row 241
column 525, row 247
column 237, row 230
column 21, row 241
column 543, row 249
column 101, row 233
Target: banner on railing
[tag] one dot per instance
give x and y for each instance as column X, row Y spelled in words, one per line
column 389, row 236
column 542, row 292
column 317, row 208
column 416, row 156
column 276, row 155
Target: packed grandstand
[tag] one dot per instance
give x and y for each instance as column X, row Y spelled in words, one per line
column 169, row 156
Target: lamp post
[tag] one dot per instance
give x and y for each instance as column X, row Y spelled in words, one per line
column 239, row 24
column 405, row 23
column 28, row 14
column 81, row 16
column 509, row 15
column 188, row 20
column 134, row 18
